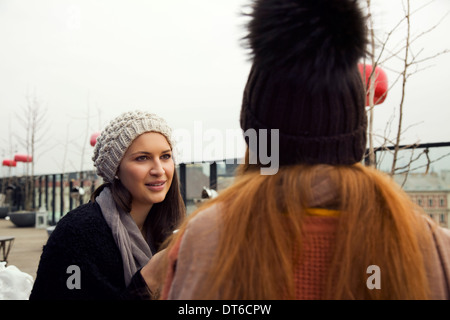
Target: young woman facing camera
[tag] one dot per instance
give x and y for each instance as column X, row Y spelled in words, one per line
column 97, row 251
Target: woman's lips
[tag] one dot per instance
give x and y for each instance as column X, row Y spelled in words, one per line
column 156, row 186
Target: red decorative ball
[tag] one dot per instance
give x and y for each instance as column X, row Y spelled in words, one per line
column 94, row 136
column 23, row 158
column 9, row 163
column 381, row 82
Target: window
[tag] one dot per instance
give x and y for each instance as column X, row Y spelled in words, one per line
column 419, row 202
column 430, row 202
column 441, row 202
column 442, row 217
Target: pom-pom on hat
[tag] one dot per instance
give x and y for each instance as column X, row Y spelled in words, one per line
column 305, row 80
column 118, row 135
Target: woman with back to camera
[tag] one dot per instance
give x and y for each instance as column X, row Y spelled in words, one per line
column 324, row 226
column 97, row 250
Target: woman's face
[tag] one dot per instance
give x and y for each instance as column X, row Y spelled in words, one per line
column 147, row 169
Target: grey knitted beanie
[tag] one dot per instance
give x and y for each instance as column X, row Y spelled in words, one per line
column 118, row 135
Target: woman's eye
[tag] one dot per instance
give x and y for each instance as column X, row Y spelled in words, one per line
column 166, row 156
column 141, row 158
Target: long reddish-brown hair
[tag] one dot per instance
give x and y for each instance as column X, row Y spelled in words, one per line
column 262, row 228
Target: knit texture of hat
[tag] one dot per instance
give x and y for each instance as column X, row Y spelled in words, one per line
column 305, row 79
column 115, row 139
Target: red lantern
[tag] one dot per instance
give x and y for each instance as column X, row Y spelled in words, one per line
column 9, row 163
column 23, row 158
column 381, row 82
column 94, row 136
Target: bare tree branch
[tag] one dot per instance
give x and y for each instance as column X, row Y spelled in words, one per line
column 32, row 119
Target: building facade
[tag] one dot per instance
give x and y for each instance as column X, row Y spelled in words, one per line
column 431, row 192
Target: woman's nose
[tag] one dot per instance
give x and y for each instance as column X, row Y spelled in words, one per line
column 157, row 169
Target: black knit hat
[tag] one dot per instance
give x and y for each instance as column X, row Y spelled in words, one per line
column 305, row 80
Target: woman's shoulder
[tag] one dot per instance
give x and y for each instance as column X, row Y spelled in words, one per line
column 441, row 235
column 199, row 239
column 207, row 218
column 202, row 229
column 85, row 221
column 84, row 213
column 442, row 238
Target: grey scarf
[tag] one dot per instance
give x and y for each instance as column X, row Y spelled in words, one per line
column 134, row 249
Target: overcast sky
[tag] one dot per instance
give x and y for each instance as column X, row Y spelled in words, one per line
column 88, row 61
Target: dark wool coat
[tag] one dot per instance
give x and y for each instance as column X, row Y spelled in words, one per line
column 82, row 239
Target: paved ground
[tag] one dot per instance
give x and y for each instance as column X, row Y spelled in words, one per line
column 27, row 246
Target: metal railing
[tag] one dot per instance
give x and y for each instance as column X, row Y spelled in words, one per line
column 60, row 193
